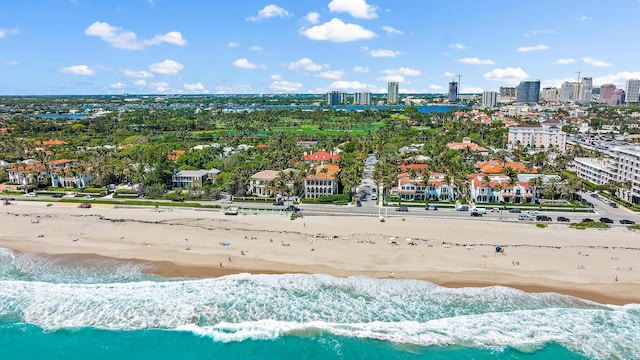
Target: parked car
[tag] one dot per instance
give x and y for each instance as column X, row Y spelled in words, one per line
column 495, row 210
column 374, row 197
column 179, row 199
column 627, row 222
column 89, row 197
column 585, row 220
column 31, row 194
column 358, row 203
column 278, row 203
column 476, row 214
column 402, row 208
column 515, row 211
column 562, row 219
column 57, row 196
column 595, row 196
column 606, row 220
column 463, row 208
column 293, row 208
column 543, row 218
column 613, row 204
column 431, row 207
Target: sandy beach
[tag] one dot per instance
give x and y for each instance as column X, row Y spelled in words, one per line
column 599, row 265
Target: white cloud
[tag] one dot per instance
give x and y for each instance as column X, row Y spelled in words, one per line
column 557, row 82
column 5, row 32
column 244, row 63
column 77, row 70
column 305, row 64
column 337, row 31
column 458, row 46
column 270, row 11
column 618, row 78
column 470, row 89
column 118, row 86
column 167, row 67
column 196, row 88
column 585, row 18
column 594, row 62
column 276, row 77
column 356, row 8
column 448, row 74
column 332, row 74
column 232, row 44
column 435, row 87
column 313, row 17
column 285, row 86
column 361, row 69
column 403, row 71
column 138, row 74
column 384, row 53
column 565, row 61
column 161, row 87
column 125, row 39
column 140, row 83
column 350, row 85
column 234, row 89
column 539, row 32
column 476, row 61
column 255, row 48
column 11, row 63
column 396, row 78
column 533, row 48
column 508, row 75
column 390, row 30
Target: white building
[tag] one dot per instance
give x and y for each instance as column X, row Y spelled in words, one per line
column 362, row 98
column 194, row 178
column 545, row 135
column 392, row 92
column 550, row 94
column 260, row 182
column 586, row 90
column 633, row 91
column 567, row 92
column 489, row 99
column 596, row 171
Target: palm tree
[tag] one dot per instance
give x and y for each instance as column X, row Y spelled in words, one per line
column 535, row 183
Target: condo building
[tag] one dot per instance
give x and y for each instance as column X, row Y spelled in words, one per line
column 392, row 92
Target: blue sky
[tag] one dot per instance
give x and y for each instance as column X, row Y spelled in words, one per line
column 310, row 46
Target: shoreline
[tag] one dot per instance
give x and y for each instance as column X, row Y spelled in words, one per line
column 446, row 252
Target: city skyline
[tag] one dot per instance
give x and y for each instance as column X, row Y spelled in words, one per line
column 191, row 47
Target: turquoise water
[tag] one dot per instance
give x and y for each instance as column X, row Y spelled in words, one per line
column 65, row 308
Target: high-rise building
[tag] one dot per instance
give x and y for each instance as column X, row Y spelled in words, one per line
column 528, row 92
column 507, row 91
column 567, row 92
column 586, row 90
column 362, row 98
column 550, row 94
column 333, row 98
column 453, row 92
column 489, row 99
column 618, row 97
column 633, row 91
column 606, row 94
column 392, row 92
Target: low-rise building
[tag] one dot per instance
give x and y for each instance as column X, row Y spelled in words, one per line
column 547, row 134
column 324, row 182
column 260, row 183
column 194, row 178
column 468, row 144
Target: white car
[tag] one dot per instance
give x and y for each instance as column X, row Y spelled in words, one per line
column 89, row 197
column 374, row 197
column 31, row 194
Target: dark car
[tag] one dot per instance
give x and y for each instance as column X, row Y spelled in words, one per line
column 402, row 208
column 515, row 211
column 627, row 222
column 543, row 218
column 562, row 219
column 587, row 220
column 278, row 203
column 613, row 205
column 594, row 195
column 57, row 196
column 590, row 204
column 606, row 220
column 431, row 207
column 358, row 203
column 293, row 208
column 177, row 200
column 476, row 214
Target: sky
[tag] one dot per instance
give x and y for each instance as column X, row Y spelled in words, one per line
column 81, row 47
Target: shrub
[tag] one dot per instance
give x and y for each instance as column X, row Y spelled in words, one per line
column 541, row 226
column 590, row 225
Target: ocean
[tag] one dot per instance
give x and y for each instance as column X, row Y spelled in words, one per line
column 57, row 307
